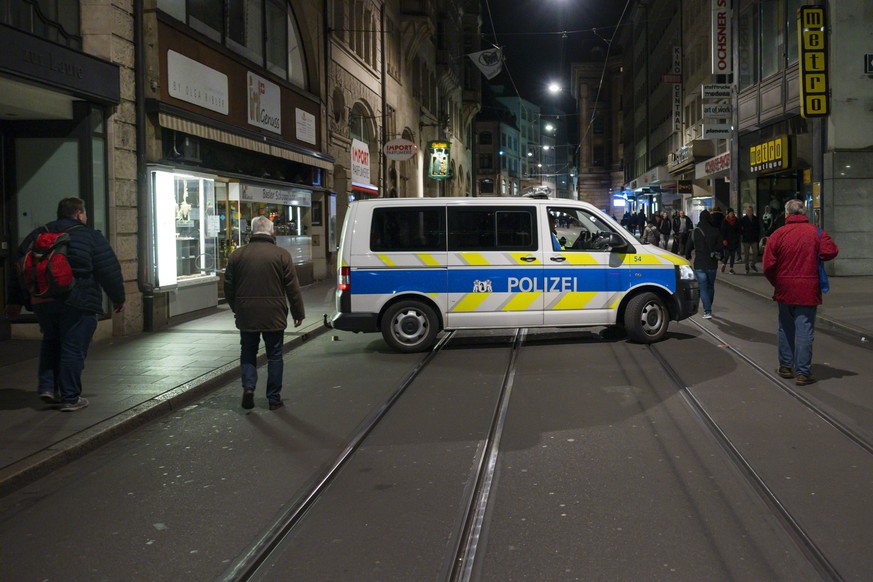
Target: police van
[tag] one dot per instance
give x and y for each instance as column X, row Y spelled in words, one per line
column 413, row 267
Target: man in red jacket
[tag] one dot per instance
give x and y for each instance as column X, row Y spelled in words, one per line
column 791, row 265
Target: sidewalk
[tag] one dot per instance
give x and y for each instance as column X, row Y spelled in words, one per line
column 133, row 380
column 128, row 381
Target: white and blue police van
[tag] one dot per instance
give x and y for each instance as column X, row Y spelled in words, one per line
column 413, row 267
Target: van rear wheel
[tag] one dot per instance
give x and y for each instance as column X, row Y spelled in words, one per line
column 646, row 318
column 410, row 326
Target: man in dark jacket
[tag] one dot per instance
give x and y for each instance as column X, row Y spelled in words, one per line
column 665, row 227
column 705, row 241
column 259, row 284
column 750, row 234
column 682, row 225
column 68, row 322
column 791, row 265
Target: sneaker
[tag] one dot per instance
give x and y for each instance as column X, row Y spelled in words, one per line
column 248, row 399
column 276, row 404
column 48, row 397
column 77, row 405
column 754, row 268
column 802, row 380
column 732, row 272
column 707, row 315
column 785, row 372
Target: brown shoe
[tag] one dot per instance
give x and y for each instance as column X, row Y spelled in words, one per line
column 276, row 404
column 785, row 372
column 802, row 380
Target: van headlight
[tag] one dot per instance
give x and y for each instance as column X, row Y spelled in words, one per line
column 686, row 273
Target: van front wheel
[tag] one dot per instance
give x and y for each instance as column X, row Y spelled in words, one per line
column 410, row 326
column 646, row 318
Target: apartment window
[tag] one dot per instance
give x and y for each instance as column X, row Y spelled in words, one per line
column 277, row 39
column 485, row 138
column 204, row 18
column 748, row 47
column 485, row 161
column 772, row 38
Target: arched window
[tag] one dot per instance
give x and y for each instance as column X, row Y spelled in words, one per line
column 361, row 124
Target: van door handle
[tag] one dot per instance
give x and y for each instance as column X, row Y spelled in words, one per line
column 528, row 259
column 558, row 259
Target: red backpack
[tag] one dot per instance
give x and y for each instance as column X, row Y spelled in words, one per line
column 45, row 271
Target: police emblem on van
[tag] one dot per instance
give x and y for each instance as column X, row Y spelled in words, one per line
column 482, row 286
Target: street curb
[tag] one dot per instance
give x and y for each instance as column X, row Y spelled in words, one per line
column 39, row 464
column 833, row 325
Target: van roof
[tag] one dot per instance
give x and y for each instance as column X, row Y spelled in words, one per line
column 475, row 201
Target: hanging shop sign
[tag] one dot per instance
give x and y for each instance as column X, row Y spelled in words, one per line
column 716, row 110
column 400, row 149
column 712, row 90
column 812, row 40
column 360, row 162
column 676, row 70
column 438, row 167
column 721, row 38
column 713, row 166
column 772, row 155
column 716, row 131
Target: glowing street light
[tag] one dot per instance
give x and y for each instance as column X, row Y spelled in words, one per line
column 554, row 87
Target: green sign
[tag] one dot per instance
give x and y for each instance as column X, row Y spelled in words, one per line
column 438, row 168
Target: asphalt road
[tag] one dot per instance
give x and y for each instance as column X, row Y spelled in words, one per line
column 604, row 471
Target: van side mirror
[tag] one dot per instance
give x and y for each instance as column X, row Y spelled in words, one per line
column 617, row 242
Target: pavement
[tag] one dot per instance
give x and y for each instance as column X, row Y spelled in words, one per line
column 130, row 381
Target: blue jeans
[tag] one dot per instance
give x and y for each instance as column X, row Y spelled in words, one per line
column 796, row 332
column 706, row 281
column 248, row 360
column 66, row 336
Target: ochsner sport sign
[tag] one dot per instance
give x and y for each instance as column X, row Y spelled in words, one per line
column 721, row 38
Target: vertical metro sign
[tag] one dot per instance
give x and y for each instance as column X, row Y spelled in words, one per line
column 812, row 43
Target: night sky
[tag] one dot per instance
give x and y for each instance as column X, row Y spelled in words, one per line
column 530, row 33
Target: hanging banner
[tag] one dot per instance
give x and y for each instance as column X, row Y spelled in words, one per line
column 721, row 38
column 490, row 62
column 438, row 168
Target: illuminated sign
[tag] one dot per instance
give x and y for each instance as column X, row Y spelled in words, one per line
column 770, row 155
column 812, row 41
column 438, row 168
column 721, row 38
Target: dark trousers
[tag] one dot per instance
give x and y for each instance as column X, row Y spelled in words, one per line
column 66, row 336
column 248, row 359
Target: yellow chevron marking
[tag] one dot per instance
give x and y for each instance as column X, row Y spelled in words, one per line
column 387, row 260
column 676, row 259
column 641, row 260
column 618, row 299
column 521, row 301
column 345, row 264
column 580, row 259
column 471, row 302
column 517, row 258
column 474, row 259
column 428, row 260
column 574, row 300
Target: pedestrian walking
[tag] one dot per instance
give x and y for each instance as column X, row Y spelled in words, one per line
column 730, row 240
column 665, row 227
column 260, row 282
column 68, row 319
column 650, row 235
column 750, row 234
column 705, row 242
column 682, row 225
column 791, row 265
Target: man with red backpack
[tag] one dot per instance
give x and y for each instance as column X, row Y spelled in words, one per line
column 63, row 267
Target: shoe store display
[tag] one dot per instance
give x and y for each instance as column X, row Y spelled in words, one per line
column 248, row 399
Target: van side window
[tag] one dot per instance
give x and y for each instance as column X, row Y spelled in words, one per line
column 408, row 229
column 579, row 230
column 488, row 228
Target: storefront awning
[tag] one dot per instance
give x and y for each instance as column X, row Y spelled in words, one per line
column 213, row 133
column 367, row 189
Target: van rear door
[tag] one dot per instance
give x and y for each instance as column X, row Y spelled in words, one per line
column 495, row 267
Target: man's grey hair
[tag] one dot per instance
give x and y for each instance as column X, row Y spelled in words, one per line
column 262, row 225
column 795, row 206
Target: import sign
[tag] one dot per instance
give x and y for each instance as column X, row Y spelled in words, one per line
column 400, row 149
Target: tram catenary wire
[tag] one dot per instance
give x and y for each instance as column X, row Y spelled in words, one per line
column 259, row 552
column 810, row 549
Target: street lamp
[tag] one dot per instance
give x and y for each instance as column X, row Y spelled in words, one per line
column 554, row 87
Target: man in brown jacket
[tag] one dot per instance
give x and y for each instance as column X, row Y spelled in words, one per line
column 259, row 284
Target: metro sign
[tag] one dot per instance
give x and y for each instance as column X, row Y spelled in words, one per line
column 812, row 42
